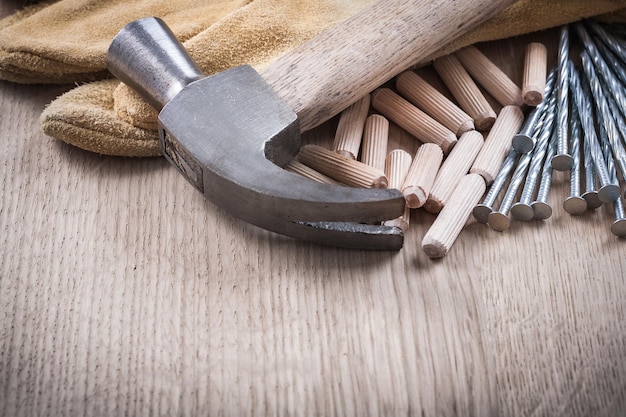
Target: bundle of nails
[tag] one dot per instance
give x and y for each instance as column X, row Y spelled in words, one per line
column 576, row 122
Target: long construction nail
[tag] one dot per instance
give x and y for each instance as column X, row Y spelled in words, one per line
column 525, row 139
column 375, row 139
column 535, row 69
column 498, row 143
column 342, row 169
column 523, row 210
column 298, row 167
column 397, row 165
column 616, row 89
column 608, row 191
column 412, row 119
column 541, row 208
column 617, row 45
column 490, row 76
column 618, row 227
column 605, row 102
column 465, row 91
column 456, row 165
column 591, row 193
column 562, row 161
column 350, row 128
column 613, row 60
column 421, row 176
column 499, row 220
column 575, row 203
column 448, row 225
column 419, row 92
column 621, row 127
column 481, row 211
column 614, row 47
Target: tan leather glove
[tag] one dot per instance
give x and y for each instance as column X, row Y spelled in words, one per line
column 107, row 118
column 66, row 41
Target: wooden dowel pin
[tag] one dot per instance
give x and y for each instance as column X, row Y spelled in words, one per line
column 350, row 128
column 342, row 169
column 498, row 143
column 465, row 91
column 412, row 119
column 535, row 73
column 490, row 76
column 421, row 176
column 397, row 164
column 448, row 225
column 375, row 139
column 456, row 165
column 298, row 167
column 426, row 97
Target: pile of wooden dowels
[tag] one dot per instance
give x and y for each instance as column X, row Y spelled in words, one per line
column 466, row 148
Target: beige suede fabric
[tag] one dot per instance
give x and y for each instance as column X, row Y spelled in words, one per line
column 66, row 41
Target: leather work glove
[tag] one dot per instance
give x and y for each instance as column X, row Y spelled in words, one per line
column 67, row 40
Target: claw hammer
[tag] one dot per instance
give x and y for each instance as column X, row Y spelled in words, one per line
column 230, row 133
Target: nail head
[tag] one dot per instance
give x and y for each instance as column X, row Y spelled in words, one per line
column 522, row 212
column 498, row 221
column 575, row 205
column 481, row 213
column 618, row 228
column 562, row 162
column 541, row 210
column 593, row 202
column 523, row 143
column 609, row 193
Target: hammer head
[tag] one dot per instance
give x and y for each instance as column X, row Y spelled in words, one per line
column 230, row 135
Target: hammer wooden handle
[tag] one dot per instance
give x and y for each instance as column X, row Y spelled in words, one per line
column 327, row 74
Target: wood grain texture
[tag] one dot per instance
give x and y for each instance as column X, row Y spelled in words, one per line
column 124, row 292
column 349, row 132
column 456, row 165
column 465, row 91
column 498, row 143
column 535, row 74
column 410, row 118
column 490, row 76
column 369, row 49
column 425, row 96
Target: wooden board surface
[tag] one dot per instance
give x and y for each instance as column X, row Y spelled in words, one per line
column 124, row 292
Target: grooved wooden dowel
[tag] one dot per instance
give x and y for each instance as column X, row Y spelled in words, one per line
column 342, row 169
column 498, row 143
column 375, row 139
column 488, row 75
column 448, row 225
column 350, row 128
column 298, row 167
column 397, row 164
column 421, row 176
column 535, row 73
column 456, row 165
column 465, row 91
column 412, row 119
column 426, row 97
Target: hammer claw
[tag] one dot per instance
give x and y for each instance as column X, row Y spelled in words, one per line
column 230, row 135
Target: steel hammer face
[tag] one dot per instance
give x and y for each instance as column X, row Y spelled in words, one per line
column 230, row 135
